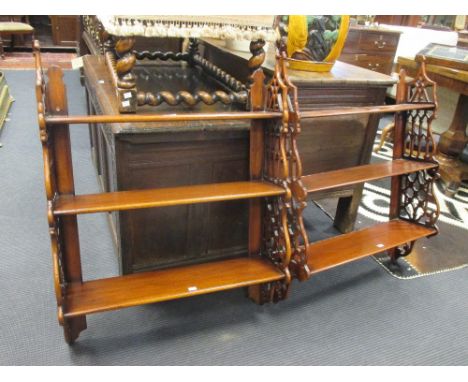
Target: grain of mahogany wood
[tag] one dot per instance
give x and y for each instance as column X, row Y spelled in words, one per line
column 127, row 200
column 359, row 174
column 342, row 249
column 156, row 286
column 80, row 119
column 136, row 118
column 366, row 110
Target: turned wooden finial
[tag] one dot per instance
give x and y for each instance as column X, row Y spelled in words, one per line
column 426, row 83
column 258, row 55
column 257, row 78
column 125, row 62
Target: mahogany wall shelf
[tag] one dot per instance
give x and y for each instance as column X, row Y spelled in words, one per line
column 414, row 209
column 278, row 248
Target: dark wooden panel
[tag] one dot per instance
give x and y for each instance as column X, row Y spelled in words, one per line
column 331, row 143
column 175, row 159
column 65, row 30
column 318, row 97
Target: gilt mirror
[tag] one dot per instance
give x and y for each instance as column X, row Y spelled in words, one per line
column 312, row 42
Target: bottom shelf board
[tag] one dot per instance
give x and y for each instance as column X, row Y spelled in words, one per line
column 168, row 284
column 338, row 250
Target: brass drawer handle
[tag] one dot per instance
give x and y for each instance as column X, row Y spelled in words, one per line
column 380, row 44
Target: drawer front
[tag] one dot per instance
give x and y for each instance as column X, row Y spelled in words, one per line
column 381, row 64
column 379, row 42
column 353, row 38
column 352, row 41
column 371, row 42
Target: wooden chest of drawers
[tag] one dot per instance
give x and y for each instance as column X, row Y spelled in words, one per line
column 372, row 49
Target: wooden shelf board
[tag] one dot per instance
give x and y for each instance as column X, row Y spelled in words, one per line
column 128, row 200
column 360, row 174
column 338, row 250
column 169, row 284
column 139, row 118
column 383, row 109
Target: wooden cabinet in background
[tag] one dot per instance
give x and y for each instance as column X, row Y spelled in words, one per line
column 66, row 30
column 372, row 49
column 404, row 20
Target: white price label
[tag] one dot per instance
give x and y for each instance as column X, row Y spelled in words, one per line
column 77, row 63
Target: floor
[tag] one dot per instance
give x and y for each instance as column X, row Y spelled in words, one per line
column 24, row 60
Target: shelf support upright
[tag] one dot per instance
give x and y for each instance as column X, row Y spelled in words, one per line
column 412, row 195
column 256, row 102
column 58, row 177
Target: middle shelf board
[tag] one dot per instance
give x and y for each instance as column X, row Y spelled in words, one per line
column 135, row 199
column 360, row 174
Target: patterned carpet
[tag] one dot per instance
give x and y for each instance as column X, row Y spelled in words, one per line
column 24, row 60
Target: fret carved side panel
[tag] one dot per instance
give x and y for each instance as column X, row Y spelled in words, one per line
column 50, row 187
column 285, row 239
column 417, row 202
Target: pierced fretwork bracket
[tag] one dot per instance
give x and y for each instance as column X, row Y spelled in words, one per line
column 413, row 196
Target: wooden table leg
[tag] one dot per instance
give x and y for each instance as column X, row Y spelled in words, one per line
column 452, row 170
column 387, row 132
column 454, row 139
column 347, row 209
